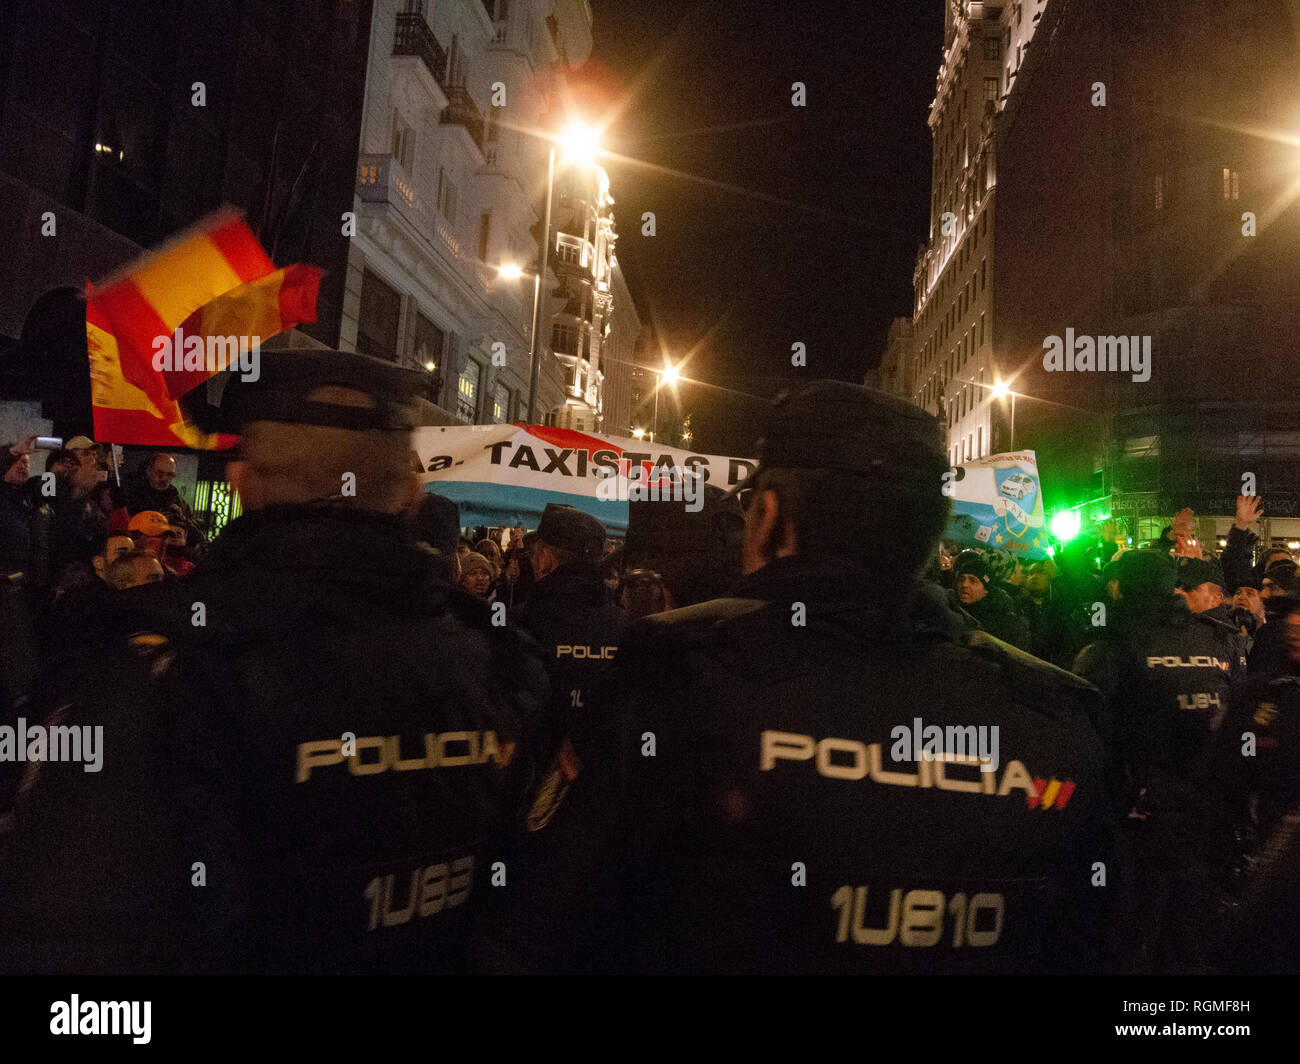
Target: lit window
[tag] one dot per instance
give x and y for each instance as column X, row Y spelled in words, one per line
column 1231, row 184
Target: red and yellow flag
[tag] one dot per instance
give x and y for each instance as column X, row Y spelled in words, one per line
column 216, row 285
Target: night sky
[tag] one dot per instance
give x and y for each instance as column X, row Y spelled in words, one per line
column 817, row 240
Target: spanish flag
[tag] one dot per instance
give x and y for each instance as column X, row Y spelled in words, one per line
column 202, row 303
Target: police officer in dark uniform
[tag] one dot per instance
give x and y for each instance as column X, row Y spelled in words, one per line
column 567, row 612
column 1166, row 674
column 309, row 747
column 674, row 556
column 1258, row 770
column 759, row 804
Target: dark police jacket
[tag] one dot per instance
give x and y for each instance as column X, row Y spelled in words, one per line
column 1166, row 673
column 1258, row 767
column 748, row 814
column 579, row 633
column 313, row 778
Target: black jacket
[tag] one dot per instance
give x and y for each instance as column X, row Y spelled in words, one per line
column 1235, row 560
column 569, row 616
column 1165, row 672
column 1258, row 768
column 24, row 532
column 1055, row 629
column 228, row 702
column 997, row 614
column 746, row 814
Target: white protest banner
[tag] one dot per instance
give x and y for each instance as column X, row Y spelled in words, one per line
column 504, row 475
column 998, row 502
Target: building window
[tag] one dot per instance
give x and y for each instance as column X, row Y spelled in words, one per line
column 568, row 249
column 983, row 269
column 500, row 403
column 984, row 222
column 564, row 339
column 467, row 388
column 403, row 143
column 1231, row 184
column 981, row 332
column 979, row 442
column 990, row 90
column 484, row 235
column 381, row 308
column 992, row 51
column 446, row 196
column 429, row 341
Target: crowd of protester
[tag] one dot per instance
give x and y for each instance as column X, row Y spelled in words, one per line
column 70, row 526
column 1194, row 654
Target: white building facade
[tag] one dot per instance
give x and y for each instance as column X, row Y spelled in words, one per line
column 583, row 305
column 451, row 181
column 954, row 362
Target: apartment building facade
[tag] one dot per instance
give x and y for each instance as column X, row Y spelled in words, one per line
column 954, row 366
column 451, row 182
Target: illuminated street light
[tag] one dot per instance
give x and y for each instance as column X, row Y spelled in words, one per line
column 667, row 375
column 430, row 366
column 580, row 144
column 511, row 271
column 638, row 433
column 1001, row 391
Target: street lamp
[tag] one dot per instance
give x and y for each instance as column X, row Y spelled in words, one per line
column 512, row 272
column 667, row 375
column 1001, row 391
column 579, row 143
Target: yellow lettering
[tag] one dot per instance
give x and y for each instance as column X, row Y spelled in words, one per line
column 320, row 752
column 369, row 768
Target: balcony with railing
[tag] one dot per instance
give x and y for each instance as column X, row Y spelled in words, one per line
column 463, row 111
column 381, row 179
column 415, row 38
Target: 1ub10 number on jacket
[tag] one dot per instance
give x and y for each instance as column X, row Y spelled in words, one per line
column 919, row 918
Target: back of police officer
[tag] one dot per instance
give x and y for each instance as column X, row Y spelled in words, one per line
column 310, row 747
column 1165, row 672
column 747, row 812
column 569, row 615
